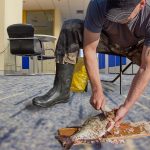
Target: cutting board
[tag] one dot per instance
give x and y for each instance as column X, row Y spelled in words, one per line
column 124, row 132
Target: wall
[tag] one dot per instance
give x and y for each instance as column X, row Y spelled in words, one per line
column 13, row 15
column 10, row 13
column 58, row 22
column 48, row 65
column 2, row 45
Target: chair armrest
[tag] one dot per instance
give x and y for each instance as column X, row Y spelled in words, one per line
column 29, row 38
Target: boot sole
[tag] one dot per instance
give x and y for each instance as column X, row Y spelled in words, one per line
column 52, row 104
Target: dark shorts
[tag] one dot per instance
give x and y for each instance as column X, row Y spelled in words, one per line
column 71, row 41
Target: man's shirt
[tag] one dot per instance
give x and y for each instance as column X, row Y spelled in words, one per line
column 125, row 35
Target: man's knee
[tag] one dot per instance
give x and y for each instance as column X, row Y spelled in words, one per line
column 70, row 41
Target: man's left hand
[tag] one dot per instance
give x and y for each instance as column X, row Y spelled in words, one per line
column 120, row 114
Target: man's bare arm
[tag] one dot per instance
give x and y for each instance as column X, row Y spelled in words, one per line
column 91, row 41
column 141, row 79
column 139, row 83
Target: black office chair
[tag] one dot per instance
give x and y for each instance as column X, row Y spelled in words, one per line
column 23, row 42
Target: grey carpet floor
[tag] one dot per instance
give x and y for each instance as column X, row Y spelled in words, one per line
column 26, row 127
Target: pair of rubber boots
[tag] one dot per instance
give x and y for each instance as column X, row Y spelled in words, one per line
column 60, row 92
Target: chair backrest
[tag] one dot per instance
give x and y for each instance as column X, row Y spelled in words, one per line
column 20, row 31
column 23, row 46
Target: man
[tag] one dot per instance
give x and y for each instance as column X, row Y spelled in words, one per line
column 111, row 26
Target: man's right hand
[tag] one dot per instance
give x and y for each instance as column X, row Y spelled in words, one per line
column 98, row 100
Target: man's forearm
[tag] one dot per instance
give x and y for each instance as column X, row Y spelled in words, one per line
column 91, row 64
column 139, row 83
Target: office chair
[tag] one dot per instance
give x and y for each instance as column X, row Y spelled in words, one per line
column 23, row 42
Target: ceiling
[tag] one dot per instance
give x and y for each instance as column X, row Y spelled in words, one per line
column 68, row 8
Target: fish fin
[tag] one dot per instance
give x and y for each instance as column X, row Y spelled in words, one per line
column 67, row 143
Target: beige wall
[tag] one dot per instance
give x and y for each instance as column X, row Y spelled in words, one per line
column 58, row 22
column 2, row 45
column 49, row 65
column 10, row 13
column 13, row 15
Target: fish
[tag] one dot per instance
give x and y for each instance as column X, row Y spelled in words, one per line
column 92, row 130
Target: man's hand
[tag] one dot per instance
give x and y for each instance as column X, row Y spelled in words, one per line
column 98, row 100
column 120, row 114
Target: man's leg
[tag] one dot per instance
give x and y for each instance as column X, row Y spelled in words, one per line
column 67, row 49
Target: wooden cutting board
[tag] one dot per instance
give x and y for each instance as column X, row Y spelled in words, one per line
column 124, row 132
